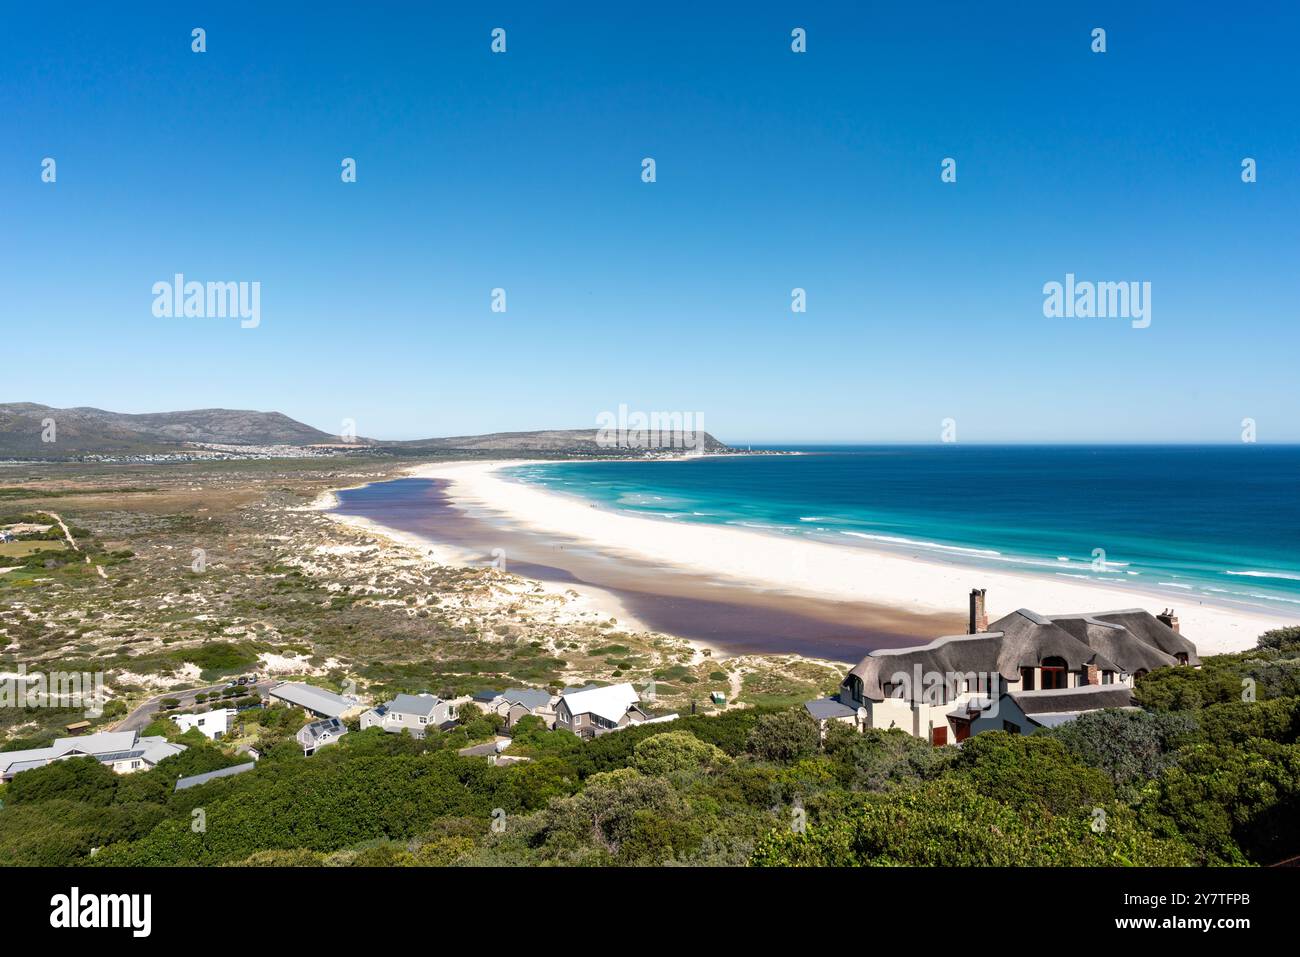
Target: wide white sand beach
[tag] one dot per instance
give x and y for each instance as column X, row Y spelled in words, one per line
column 785, row 564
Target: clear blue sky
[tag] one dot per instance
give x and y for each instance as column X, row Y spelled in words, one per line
column 775, row 170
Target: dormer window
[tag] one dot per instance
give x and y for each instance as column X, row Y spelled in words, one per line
column 1054, row 673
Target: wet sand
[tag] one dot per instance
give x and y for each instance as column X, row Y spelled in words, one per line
column 728, row 617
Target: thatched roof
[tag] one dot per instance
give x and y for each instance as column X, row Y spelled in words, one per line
column 1083, row 698
column 1121, row 641
column 1020, row 640
column 1149, row 629
column 1115, row 642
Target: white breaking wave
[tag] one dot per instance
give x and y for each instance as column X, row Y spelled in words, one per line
column 1291, row 601
column 893, row 540
column 1253, row 574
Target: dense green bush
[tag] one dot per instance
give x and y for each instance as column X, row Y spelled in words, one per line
column 1129, row 746
column 1205, row 773
column 948, row 823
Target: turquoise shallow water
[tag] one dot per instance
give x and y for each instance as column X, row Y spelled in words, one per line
column 1215, row 523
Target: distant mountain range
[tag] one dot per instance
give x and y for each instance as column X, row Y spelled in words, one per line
column 88, row 431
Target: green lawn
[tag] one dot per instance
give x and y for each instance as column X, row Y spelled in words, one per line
column 23, row 549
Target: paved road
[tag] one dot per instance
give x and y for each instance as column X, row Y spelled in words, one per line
column 141, row 716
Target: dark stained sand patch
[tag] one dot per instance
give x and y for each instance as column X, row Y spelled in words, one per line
column 729, row 616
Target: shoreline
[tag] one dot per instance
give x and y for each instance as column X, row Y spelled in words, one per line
column 715, row 619
column 589, row 599
column 768, row 562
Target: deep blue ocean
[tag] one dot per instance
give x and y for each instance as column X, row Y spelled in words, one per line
column 1214, row 523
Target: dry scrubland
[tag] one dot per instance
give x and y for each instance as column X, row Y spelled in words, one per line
column 1202, row 774
column 287, row 590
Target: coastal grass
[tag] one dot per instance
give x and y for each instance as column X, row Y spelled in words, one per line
column 21, row 549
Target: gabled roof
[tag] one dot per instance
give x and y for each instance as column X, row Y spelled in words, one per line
column 326, row 727
column 316, row 700
column 530, row 698
column 103, row 746
column 101, row 742
column 156, row 748
column 417, row 704
column 610, row 703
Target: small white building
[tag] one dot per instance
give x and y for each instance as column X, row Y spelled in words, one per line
column 213, row 725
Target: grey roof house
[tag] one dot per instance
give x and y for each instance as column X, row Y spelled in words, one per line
column 318, row 734
column 123, row 752
column 415, row 713
column 520, row 702
column 320, row 702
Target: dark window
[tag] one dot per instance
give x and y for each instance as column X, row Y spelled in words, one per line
column 1054, row 673
column 1026, row 679
column 1011, row 726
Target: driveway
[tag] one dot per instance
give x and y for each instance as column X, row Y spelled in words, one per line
column 141, row 716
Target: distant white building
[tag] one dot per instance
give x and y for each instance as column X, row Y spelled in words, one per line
column 123, row 751
column 211, row 724
column 592, row 710
column 415, row 713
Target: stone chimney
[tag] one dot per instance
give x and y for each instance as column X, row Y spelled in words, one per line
column 1169, row 618
column 979, row 618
